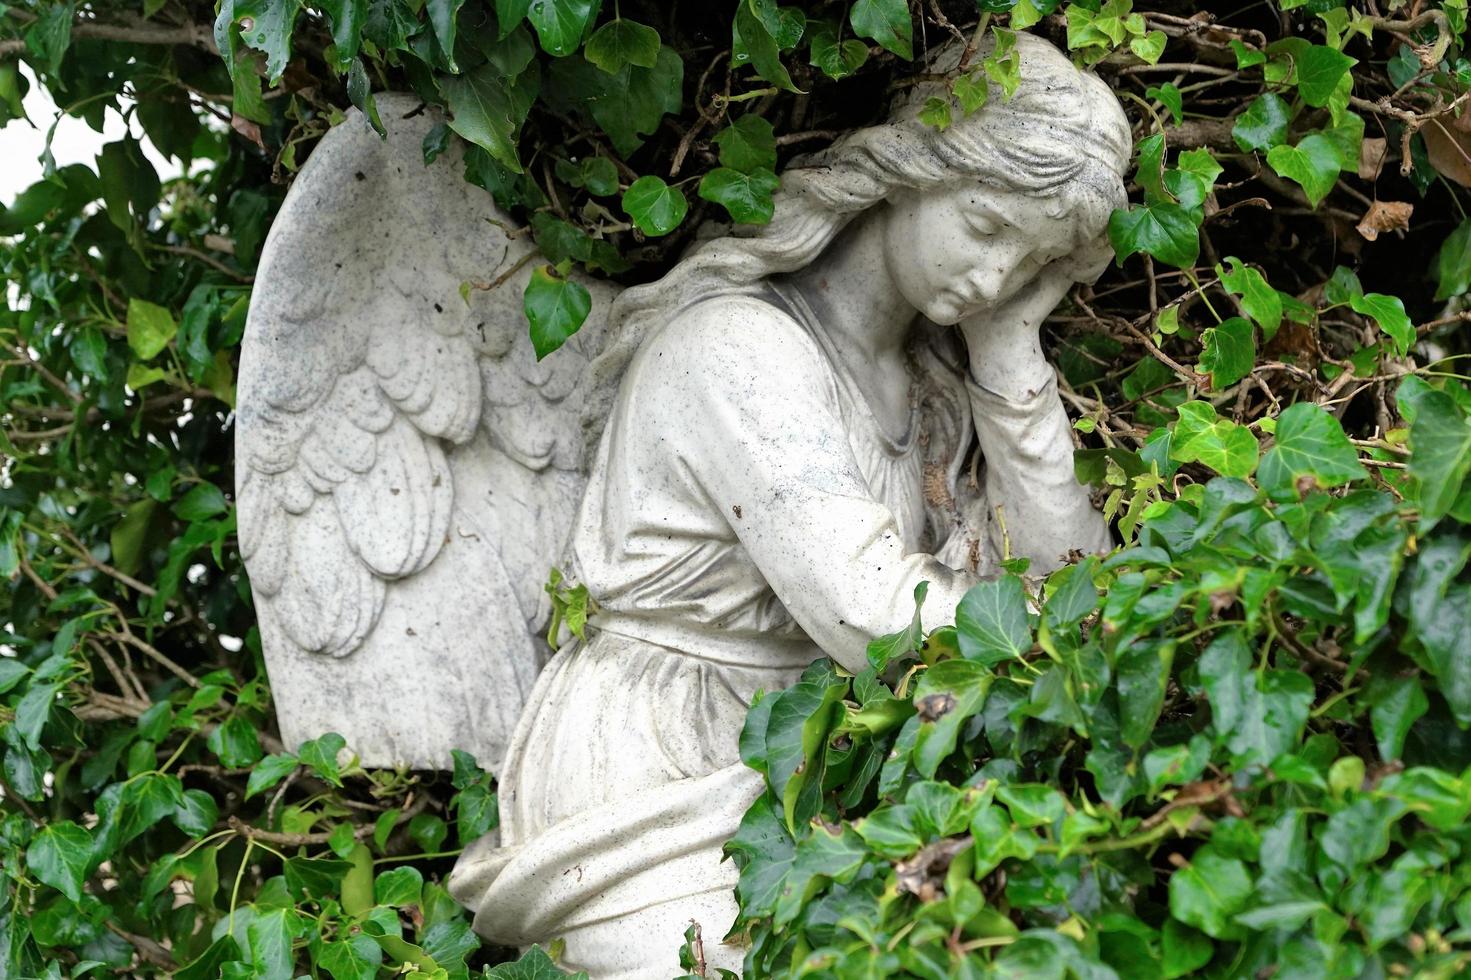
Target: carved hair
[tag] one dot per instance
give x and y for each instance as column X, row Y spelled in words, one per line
column 1061, row 137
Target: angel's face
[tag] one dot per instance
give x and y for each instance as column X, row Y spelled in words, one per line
column 967, row 249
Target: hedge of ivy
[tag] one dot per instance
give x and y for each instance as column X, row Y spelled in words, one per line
column 1236, row 747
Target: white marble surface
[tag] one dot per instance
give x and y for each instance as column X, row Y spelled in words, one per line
column 788, row 455
column 406, row 469
column 790, row 424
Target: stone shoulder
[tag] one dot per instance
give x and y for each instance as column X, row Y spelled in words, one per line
column 733, row 342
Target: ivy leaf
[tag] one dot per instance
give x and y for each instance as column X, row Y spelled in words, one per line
column 747, row 145
column 347, row 18
column 1263, row 125
column 266, row 26
column 59, row 855
column 627, row 104
column 560, row 24
column 1199, row 436
column 1312, row 163
column 622, row 42
column 320, row 755
column 1192, row 180
column 510, row 13
column 748, row 197
column 268, row 772
column 475, row 813
column 823, row 855
column 1164, row 230
column 786, row 25
column 1440, row 458
column 150, row 328
column 971, row 91
column 1311, row 452
column 992, row 621
column 765, row 852
column 534, row 964
column 1389, row 313
column 32, row 711
column 346, row 961
column 1169, row 96
column 936, row 113
column 235, row 741
column 1396, row 704
column 1453, row 263
column 488, row 110
column 656, row 208
column 196, row 813
column 1143, row 673
column 946, row 696
column 1075, row 596
column 883, row 649
column 49, row 36
column 887, row 22
column 556, row 308
column 442, row 14
column 800, row 721
column 203, row 501
column 1319, row 69
column 834, row 58
column 1209, row 891
column 390, row 23
column 1149, row 47
column 1260, row 301
column 399, row 887
column 753, row 43
column 1228, row 352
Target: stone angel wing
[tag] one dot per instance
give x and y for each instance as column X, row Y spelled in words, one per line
column 407, row 471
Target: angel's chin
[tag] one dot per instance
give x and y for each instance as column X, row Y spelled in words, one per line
column 947, row 309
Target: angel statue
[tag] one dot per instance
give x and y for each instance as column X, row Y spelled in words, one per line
column 750, row 464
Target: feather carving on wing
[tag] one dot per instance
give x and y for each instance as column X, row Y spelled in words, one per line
column 407, row 470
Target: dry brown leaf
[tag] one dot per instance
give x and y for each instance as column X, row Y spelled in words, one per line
column 1448, row 144
column 247, row 129
column 1385, row 216
column 1372, row 152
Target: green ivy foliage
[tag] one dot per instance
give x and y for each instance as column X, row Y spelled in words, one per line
column 1237, row 743
column 1236, row 747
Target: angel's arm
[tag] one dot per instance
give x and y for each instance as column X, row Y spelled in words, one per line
column 769, row 448
column 1024, row 431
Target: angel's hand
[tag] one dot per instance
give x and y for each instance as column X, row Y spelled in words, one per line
column 1004, row 347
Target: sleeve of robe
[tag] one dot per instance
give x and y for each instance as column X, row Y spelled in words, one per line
column 765, row 434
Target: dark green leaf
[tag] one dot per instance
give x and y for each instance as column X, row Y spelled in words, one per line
column 560, row 24
column 656, row 208
column 835, row 58
column 555, row 307
column 1319, row 70
column 1264, row 123
column 1313, row 163
column 1163, row 230
column 268, row 772
column 747, row 145
column 1208, row 892
column 1228, row 352
column 946, row 696
column 887, row 22
column 992, row 621
column 1440, row 459
column 488, row 110
column 1311, row 452
column 747, row 197
column 59, row 855
column 622, row 42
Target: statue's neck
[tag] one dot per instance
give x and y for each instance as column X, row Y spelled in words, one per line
column 851, row 291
